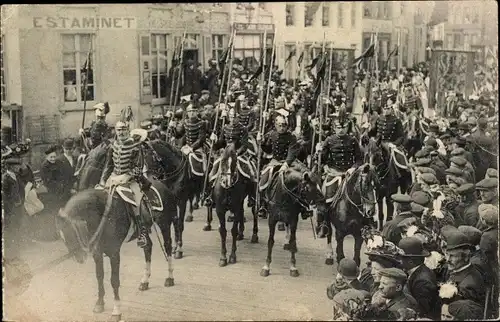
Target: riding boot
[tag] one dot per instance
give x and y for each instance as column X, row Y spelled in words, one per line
column 208, row 195
column 263, row 207
column 251, row 195
column 142, row 238
column 320, row 226
column 306, row 213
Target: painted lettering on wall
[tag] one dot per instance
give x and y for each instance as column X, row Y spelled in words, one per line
column 50, row 22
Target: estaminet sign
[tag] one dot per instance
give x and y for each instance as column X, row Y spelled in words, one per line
column 53, row 22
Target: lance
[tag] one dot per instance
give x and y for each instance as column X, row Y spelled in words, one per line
column 321, row 102
column 263, row 108
column 181, row 68
column 85, row 85
column 177, row 52
column 225, row 72
column 322, row 111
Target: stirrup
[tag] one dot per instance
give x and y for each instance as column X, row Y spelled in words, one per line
column 208, row 201
column 306, row 214
column 262, row 212
column 142, row 240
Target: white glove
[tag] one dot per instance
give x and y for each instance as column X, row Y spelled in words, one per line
column 213, row 137
column 314, row 122
column 169, row 114
column 351, row 170
column 391, row 145
column 259, row 137
column 309, row 118
column 99, row 187
column 265, row 115
column 319, row 147
column 80, row 131
column 363, row 100
column 284, row 167
column 224, row 113
column 171, row 123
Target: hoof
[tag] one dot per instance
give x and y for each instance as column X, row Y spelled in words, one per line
column 99, row 308
column 189, row 218
column 240, row 237
column 116, row 317
column 264, row 272
column 294, row 273
column 207, row 227
column 232, row 259
column 329, row 261
column 144, row 286
column 230, row 219
column 281, row 227
column 255, row 239
column 178, row 255
column 286, row 246
column 169, row 282
column 222, row 262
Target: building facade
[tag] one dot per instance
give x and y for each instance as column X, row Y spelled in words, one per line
column 303, row 26
column 122, row 52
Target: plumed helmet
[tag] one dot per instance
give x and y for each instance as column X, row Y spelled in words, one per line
column 179, row 113
column 121, row 125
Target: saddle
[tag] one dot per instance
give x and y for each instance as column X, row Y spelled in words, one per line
column 333, row 184
column 245, row 167
column 153, row 196
column 198, row 163
column 398, row 157
column 267, row 174
column 252, row 148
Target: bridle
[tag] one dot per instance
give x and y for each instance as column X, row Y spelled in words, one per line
column 297, row 193
column 365, row 202
column 232, row 175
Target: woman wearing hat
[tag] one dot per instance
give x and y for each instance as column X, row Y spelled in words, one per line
column 50, row 172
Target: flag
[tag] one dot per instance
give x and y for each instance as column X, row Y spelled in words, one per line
column 301, row 57
column 292, row 53
column 223, row 57
column 369, row 52
column 88, row 63
column 394, row 52
column 315, row 61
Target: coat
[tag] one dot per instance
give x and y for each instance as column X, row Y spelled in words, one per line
column 389, row 311
column 391, row 232
column 470, row 284
column 467, row 214
column 422, row 285
column 67, row 176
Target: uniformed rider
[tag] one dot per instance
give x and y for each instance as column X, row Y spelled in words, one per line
column 388, row 127
column 341, row 155
column 282, row 144
column 98, row 129
column 195, row 130
column 233, row 133
column 124, row 165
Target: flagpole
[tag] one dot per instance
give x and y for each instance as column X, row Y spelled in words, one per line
column 399, row 46
column 293, row 70
column 85, row 82
column 176, row 57
column 181, row 69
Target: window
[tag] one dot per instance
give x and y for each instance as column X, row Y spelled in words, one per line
column 78, row 67
column 159, row 65
column 290, row 11
column 353, row 14
column 457, row 41
column 289, row 68
column 247, row 47
column 326, row 15
column 2, row 76
column 340, row 18
column 217, row 46
column 386, row 10
column 367, row 9
column 308, row 15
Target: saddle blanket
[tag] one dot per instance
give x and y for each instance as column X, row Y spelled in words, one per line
column 252, row 148
column 398, row 157
column 245, row 167
column 332, row 183
column 198, row 162
column 153, row 195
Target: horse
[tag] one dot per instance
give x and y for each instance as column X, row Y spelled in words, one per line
column 169, row 165
column 90, row 166
column 390, row 175
column 229, row 192
column 96, row 223
column 350, row 211
column 286, row 195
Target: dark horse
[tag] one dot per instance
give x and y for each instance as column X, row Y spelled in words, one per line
column 169, row 165
column 287, row 194
column 350, row 211
column 90, row 166
column 88, row 224
column 391, row 177
column 229, row 192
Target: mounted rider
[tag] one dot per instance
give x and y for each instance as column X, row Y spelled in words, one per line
column 341, row 154
column 389, row 130
column 233, row 133
column 124, row 166
column 99, row 129
column 282, row 144
column 248, row 120
column 195, row 136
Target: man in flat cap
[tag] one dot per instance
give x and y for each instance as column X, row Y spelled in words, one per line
column 67, row 165
column 488, row 190
column 211, row 82
column 390, row 231
column 478, row 257
column 461, row 164
column 491, row 173
column 390, row 297
column 461, row 152
column 466, row 213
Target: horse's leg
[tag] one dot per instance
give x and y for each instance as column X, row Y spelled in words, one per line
column 390, row 206
column 208, row 224
column 329, row 247
column 255, row 236
column 339, row 238
column 380, row 204
column 294, row 272
column 114, row 259
column 221, row 214
column 189, row 217
column 270, row 243
column 286, row 244
column 358, row 242
column 99, row 272
column 235, row 232
column 179, row 229
column 167, row 243
column 281, row 226
column 240, row 213
column 148, row 250
column 405, row 181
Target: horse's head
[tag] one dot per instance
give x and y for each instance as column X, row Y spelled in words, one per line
column 310, row 191
column 366, row 184
column 72, row 221
column 374, row 153
column 228, row 171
